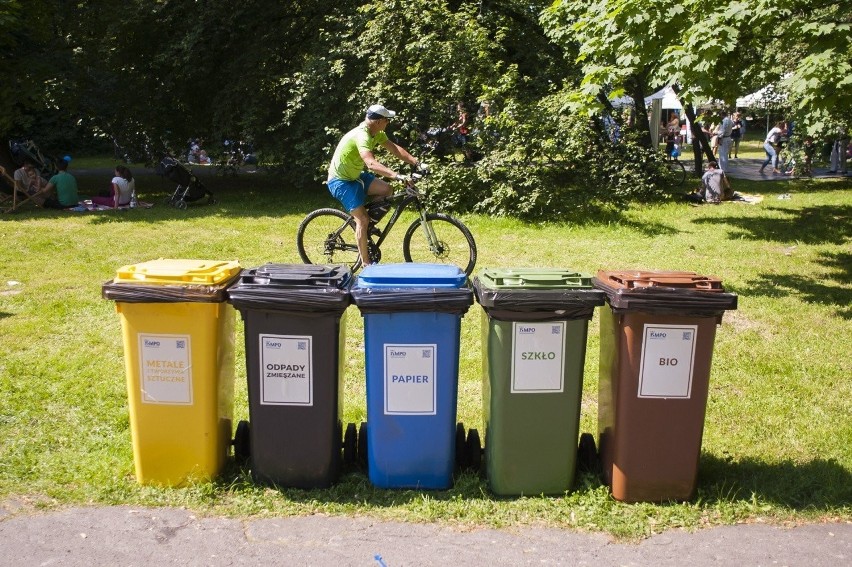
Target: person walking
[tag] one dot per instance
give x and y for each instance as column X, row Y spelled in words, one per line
column 771, row 146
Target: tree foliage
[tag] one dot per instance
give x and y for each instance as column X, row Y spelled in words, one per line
column 718, row 50
column 292, row 76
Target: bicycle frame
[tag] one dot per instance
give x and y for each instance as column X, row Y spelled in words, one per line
column 402, row 200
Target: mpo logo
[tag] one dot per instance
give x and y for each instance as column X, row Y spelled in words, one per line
column 272, row 344
column 149, row 343
column 526, row 330
column 397, row 353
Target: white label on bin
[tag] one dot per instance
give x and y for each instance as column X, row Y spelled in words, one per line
column 538, row 357
column 668, row 355
column 286, row 374
column 410, row 387
column 166, row 369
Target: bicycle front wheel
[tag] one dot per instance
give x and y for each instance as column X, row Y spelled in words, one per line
column 327, row 236
column 441, row 239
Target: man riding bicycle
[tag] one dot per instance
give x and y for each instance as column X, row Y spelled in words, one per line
column 348, row 181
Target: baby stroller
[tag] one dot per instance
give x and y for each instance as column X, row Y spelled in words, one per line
column 189, row 188
column 22, row 149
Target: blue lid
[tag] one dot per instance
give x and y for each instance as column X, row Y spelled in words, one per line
column 411, row 275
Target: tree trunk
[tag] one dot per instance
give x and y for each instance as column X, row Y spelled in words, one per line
column 636, row 87
column 699, row 140
column 700, row 143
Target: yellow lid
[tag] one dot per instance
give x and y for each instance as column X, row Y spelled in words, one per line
column 171, row 272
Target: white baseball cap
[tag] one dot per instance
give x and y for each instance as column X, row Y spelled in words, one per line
column 381, row 111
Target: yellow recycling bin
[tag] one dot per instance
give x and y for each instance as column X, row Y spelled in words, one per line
column 178, row 335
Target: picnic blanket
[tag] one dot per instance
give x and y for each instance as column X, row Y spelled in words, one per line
column 745, row 198
column 87, row 205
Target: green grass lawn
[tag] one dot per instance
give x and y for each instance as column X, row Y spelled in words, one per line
column 777, row 432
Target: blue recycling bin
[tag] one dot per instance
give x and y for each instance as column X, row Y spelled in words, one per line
column 412, row 327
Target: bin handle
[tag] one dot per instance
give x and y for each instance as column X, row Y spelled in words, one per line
column 698, row 282
column 575, row 279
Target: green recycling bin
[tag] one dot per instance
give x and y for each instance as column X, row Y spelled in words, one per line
column 534, row 329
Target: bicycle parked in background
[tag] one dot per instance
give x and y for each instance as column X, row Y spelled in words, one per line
column 327, row 235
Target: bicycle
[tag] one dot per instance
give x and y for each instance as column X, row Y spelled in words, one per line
column 787, row 157
column 327, row 235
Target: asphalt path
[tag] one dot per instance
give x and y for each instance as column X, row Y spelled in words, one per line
column 749, row 168
column 135, row 536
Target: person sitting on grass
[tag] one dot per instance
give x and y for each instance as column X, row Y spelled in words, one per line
column 715, row 187
column 65, row 186
column 29, row 182
column 120, row 191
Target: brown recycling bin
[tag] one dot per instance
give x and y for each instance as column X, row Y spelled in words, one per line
column 656, row 348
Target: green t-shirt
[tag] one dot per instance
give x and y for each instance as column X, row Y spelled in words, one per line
column 347, row 163
column 66, row 188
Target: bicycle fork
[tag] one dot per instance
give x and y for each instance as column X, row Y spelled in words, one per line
column 435, row 245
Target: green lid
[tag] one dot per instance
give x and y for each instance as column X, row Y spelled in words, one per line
column 541, row 278
column 548, row 293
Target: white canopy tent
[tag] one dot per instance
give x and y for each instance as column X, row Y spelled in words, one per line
column 768, row 95
column 762, row 98
column 663, row 99
column 667, row 97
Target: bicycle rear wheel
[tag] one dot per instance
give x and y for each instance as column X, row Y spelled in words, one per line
column 325, row 237
column 453, row 243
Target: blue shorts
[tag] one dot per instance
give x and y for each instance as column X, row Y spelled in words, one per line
column 351, row 194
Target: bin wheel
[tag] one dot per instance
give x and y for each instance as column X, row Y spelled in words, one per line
column 362, row 444
column 461, row 452
column 350, row 444
column 587, row 454
column 242, row 443
column 473, row 448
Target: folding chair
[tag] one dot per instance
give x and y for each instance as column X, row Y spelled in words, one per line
column 12, row 191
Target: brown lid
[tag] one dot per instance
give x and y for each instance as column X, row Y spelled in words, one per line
column 677, row 292
column 627, row 279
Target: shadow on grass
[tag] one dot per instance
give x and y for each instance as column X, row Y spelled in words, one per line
column 263, row 194
column 247, row 195
column 602, row 216
column 813, row 289
column 824, row 224
column 819, row 484
column 820, row 225
column 354, row 488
